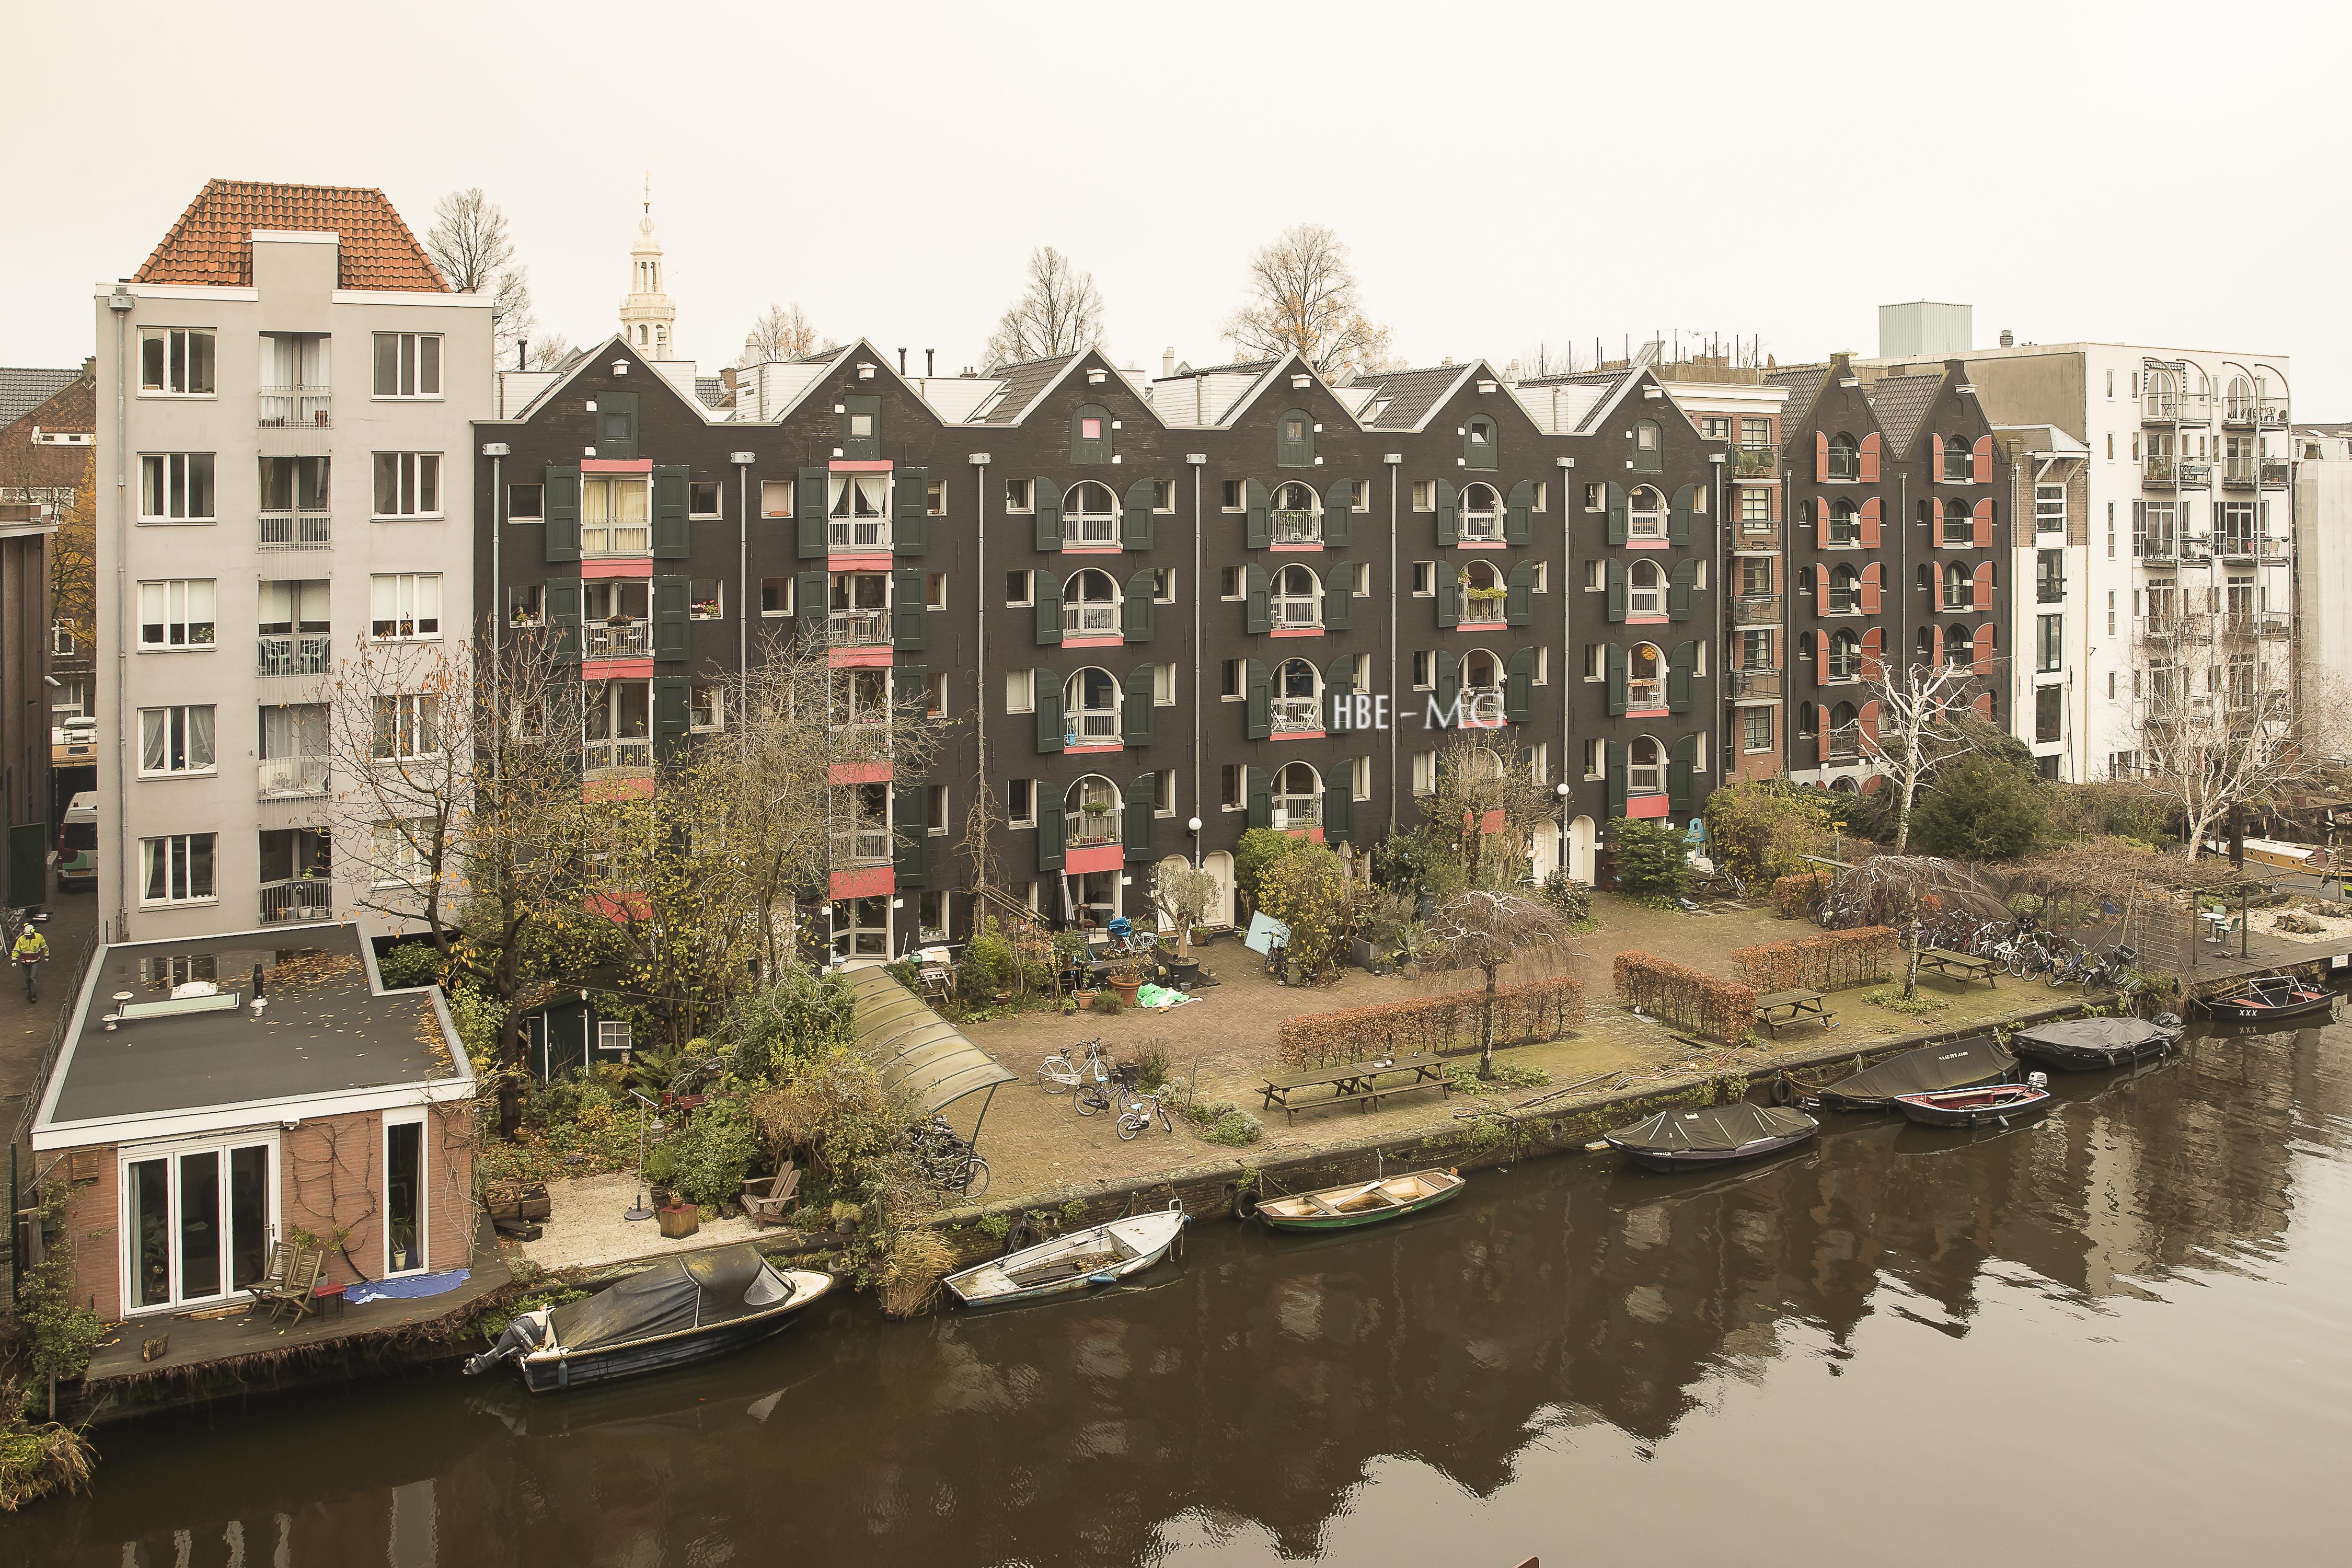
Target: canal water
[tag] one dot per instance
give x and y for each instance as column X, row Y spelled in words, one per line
column 2121, row 1334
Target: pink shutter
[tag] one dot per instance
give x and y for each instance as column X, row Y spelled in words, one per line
column 1873, row 579
column 1983, row 705
column 1870, row 726
column 1820, row 589
column 1983, row 521
column 1870, row 508
column 1820, row 455
column 1870, row 447
column 1985, row 650
column 1980, row 461
column 1874, row 654
column 1982, row 588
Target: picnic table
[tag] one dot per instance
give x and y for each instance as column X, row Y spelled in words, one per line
column 1790, row 1007
column 1967, row 967
column 1356, row 1083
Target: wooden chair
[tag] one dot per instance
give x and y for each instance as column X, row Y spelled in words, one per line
column 767, row 1201
column 301, row 1279
column 281, row 1258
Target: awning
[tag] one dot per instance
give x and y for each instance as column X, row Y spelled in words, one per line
column 912, row 1049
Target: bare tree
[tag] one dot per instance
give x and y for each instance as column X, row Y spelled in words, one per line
column 1485, row 929
column 1895, row 890
column 1302, row 294
column 781, row 333
column 470, row 244
column 1059, row 311
column 549, row 351
column 1185, row 894
column 1919, row 728
column 1492, row 808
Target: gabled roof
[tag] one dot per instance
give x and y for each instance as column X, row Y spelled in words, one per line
column 711, row 389
column 1804, row 383
column 1899, row 403
column 1404, row 399
column 583, row 357
column 25, row 388
column 212, row 242
column 1022, row 386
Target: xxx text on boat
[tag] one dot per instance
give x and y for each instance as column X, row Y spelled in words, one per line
column 2266, row 998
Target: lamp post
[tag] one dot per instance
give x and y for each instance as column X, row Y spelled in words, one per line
column 640, row 1211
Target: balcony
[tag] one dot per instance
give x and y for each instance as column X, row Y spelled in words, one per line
column 2160, row 408
column 2273, row 551
column 2273, row 473
column 2235, row 546
column 1751, row 685
column 1481, row 527
column 1756, row 538
column 866, row 844
column 297, row 901
column 295, row 409
column 2276, row 626
column 1755, row 462
column 1844, row 602
column 1302, row 612
column 1292, row 715
column 2238, row 474
column 1483, row 606
column 2195, row 473
column 850, row 533
column 616, row 542
column 1083, row 529
column 282, row 778
column 1297, row 813
column 2260, row 409
column 2161, row 548
column 295, row 653
column 1841, row 670
column 1090, row 619
column 2158, row 471
column 1093, row 827
column 1844, row 743
column 1645, row 696
column 1296, row 527
column 857, row 628
column 307, row 529
column 617, row 639
column 1090, row 727
column 598, row 755
column 1756, row 610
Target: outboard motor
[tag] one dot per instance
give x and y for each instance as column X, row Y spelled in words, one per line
column 522, row 1336
column 2037, row 1080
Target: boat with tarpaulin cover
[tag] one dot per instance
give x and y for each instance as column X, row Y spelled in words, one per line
column 1713, row 1135
column 2088, row 1045
column 1953, row 1064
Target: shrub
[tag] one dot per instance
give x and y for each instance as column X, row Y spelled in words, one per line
column 1151, row 1063
column 1106, row 1002
column 1763, row 828
column 1421, row 863
column 989, row 962
column 836, row 1112
column 1649, row 857
column 1822, row 963
column 409, row 963
column 712, row 1154
column 1978, row 808
column 1311, row 892
column 1225, row 1124
column 1525, row 1014
column 1691, row 998
column 1260, row 848
column 1794, row 898
column 1572, row 897
column 913, row 1262
column 796, row 1020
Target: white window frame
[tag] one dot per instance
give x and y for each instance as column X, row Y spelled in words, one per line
column 424, row 1125
column 411, row 721
column 767, row 614
column 393, row 856
column 148, row 847
column 166, row 475
column 717, row 600
column 187, row 336
column 718, row 489
column 771, row 491
column 717, row 720
column 1023, row 699
column 935, row 590
column 175, row 716
column 1163, row 686
column 181, row 591
column 610, row 1030
column 126, row 1263
column 411, row 474
column 407, row 586
column 409, row 371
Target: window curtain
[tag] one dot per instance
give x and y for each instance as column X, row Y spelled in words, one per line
column 200, row 736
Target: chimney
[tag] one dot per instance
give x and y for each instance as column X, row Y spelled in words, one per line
column 927, row 371
column 1167, row 362
column 523, row 354
column 2008, row 339
column 902, row 362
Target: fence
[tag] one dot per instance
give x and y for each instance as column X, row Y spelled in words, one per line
column 1686, row 997
column 1824, row 962
column 1445, row 1024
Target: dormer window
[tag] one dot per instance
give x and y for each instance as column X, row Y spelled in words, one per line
column 1479, row 445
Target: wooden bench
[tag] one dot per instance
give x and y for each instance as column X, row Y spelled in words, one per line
column 1354, row 1084
column 1783, row 1007
column 1966, row 966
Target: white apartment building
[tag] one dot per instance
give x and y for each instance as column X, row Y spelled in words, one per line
column 2322, row 559
column 286, row 390
column 2187, row 516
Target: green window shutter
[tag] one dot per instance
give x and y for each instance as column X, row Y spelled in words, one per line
column 1338, row 605
column 1295, row 451
column 1046, row 695
column 1475, row 454
column 1449, row 594
column 1449, row 681
column 1257, row 707
column 1520, row 602
column 1681, row 764
column 1260, row 798
column 1615, row 767
column 1135, row 516
column 1679, row 666
column 1135, row 717
column 1449, row 515
column 1519, row 515
column 1339, row 686
column 1617, row 703
column 1338, row 804
column 909, row 832
column 1518, row 687
column 865, row 449
column 1679, row 584
column 1135, row 820
column 1257, row 502
column 811, row 598
column 1257, row 615
column 1620, row 508
column 1134, row 606
column 563, row 617
column 1098, row 449
column 670, row 718
column 1678, row 514
column 910, row 510
column 1616, row 590
column 1049, row 835
column 616, row 426
column 1045, row 503
column 669, row 618
column 906, row 608
column 670, row 542
column 908, row 685
column 809, row 502
column 565, row 712
column 1048, row 588
column 1340, row 513
column 560, row 503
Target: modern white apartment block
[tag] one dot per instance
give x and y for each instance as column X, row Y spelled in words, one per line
column 2323, row 560
column 285, row 392
column 2186, row 533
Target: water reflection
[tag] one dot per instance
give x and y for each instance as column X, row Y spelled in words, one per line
column 1433, row 1384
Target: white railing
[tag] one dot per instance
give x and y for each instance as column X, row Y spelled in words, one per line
column 296, row 653
column 863, row 846
column 1092, row 726
column 306, row 528
column 625, row 639
column 1482, row 609
column 296, row 407
column 292, row 899
column 1295, row 613
column 1082, row 829
column 633, row 751
column 612, row 539
column 1297, row 811
column 1482, row 526
column 857, row 628
column 1089, row 617
column 1293, row 527
column 1293, row 714
column 1645, row 696
column 292, row 776
column 859, row 533
column 1090, row 528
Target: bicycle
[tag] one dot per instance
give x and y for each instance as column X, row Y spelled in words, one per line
column 1142, row 1112
column 946, row 1159
column 1057, row 1074
column 1098, row 1095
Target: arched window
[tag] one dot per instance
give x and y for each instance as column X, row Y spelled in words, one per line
column 1482, row 511
column 1844, row 783
column 1927, row 513
column 2238, row 401
column 1298, row 797
column 1960, row 644
column 1484, row 595
column 1927, row 644
column 1845, row 732
column 1845, row 458
column 1845, row 589
column 1090, row 604
column 1297, row 516
column 1090, row 434
column 1960, row 586
column 1845, row 656
column 1482, row 689
column 1089, row 514
column 1959, row 526
column 1956, row 460
column 1297, row 697
column 1090, row 812
column 1479, row 445
column 1805, row 719
column 1926, row 578
column 1645, row 766
column 1297, row 600
column 1649, row 448
column 1645, row 679
column 1845, row 522
column 1645, row 589
column 1294, row 439
column 2161, row 394
column 1482, row 765
column 1646, row 513
column 1091, row 706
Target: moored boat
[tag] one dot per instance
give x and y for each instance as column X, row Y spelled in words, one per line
column 681, row 1310
column 1716, row 1135
column 2267, row 998
column 1953, row 1064
column 2087, row 1045
column 1360, row 1202
column 1081, row 1260
column 1990, row 1104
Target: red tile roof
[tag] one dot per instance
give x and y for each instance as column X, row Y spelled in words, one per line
column 213, row 241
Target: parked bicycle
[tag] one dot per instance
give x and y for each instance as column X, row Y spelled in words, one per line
column 1058, row 1074
column 1127, row 940
column 1108, row 1087
column 946, row 1158
column 1141, row 1111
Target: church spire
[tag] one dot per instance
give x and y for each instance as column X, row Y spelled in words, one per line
column 648, row 319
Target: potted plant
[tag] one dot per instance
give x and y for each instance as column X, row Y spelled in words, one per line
column 403, row 1246
column 1084, row 999
column 1125, row 983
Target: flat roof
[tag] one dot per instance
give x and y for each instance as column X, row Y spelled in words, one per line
column 327, row 1037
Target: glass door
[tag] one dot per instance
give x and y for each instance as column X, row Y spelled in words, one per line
column 404, row 1197
column 197, row 1223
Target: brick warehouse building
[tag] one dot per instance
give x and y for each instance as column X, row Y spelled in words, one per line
column 1154, row 596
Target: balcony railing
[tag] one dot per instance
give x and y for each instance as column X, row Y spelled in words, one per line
column 857, row 628
column 306, row 528
column 613, row 543
column 2158, row 471
column 2238, row 474
column 865, row 845
column 2276, row 625
column 279, row 777
column 1845, row 744
column 1304, row 612
column 2160, row 408
column 1292, row 527
column 2195, row 473
column 870, row 533
column 295, row 408
column 626, row 751
column 1085, row 528
column 1842, row 668
column 1753, row 462
column 1742, row 685
column 1089, row 617
column 1755, row 536
column 1845, row 601
column 1645, row 696
column 2156, row 547
column 2259, row 409
column 2235, row 546
column 1092, row 828
column 1484, row 607
column 2270, row 549
column 296, row 653
column 293, row 900
column 2274, row 474
column 1090, row 726
column 1481, row 526
column 1295, row 812
column 1756, row 610
column 1291, row 714
column 617, row 639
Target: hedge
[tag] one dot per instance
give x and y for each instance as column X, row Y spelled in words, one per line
column 1796, row 895
column 1690, row 998
column 1823, row 963
column 1444, row 1025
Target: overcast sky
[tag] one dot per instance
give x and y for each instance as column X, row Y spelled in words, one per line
column 1505, row 175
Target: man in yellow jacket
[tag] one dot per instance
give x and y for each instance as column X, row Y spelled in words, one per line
column 32, row 951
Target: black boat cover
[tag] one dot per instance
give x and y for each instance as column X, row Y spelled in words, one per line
column 674, row 1294
column 1716, row 1129
column 2101, row 1036
column 1955, row 1064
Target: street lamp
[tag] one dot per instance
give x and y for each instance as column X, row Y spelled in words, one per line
column 640, row 1211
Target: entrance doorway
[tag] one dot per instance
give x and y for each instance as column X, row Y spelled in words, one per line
column 197, row 1223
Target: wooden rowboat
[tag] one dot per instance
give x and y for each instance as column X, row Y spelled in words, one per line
column 1360, row 1202
column 1081, row 1260
column 2000, row 1103
column 2267, row 999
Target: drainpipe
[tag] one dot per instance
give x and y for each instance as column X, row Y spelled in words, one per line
column 497, row 451
column 1396, row 712
column 743, row 461
column 1197, row 460
column 1723, row 596
column 979, row 461
column 121, row 303
column 1567, row 590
